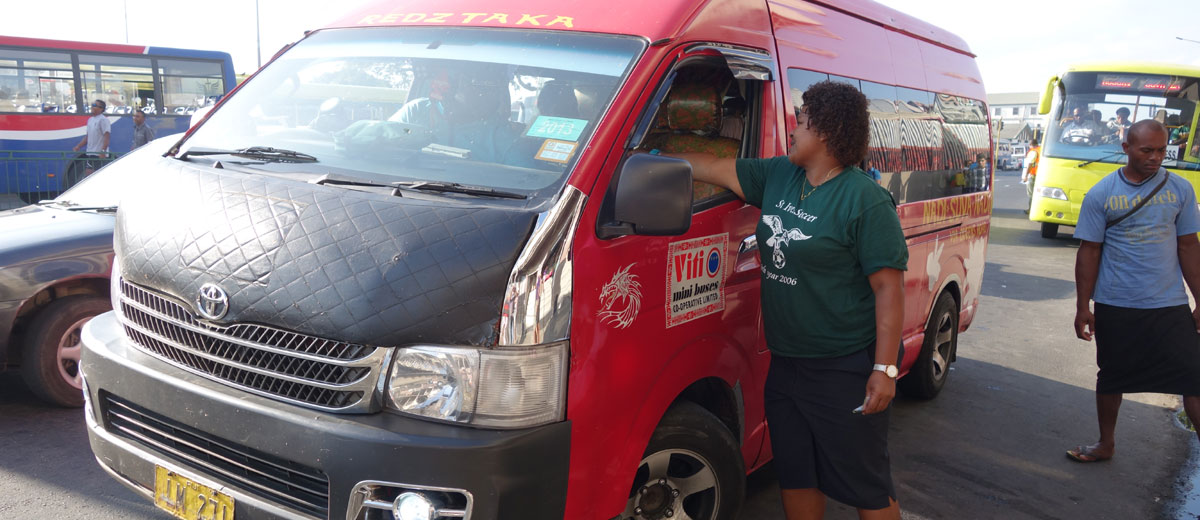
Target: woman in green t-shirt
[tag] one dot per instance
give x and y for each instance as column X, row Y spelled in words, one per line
column 833, row 257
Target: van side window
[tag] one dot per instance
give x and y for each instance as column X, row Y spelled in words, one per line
column 925, row 145
column 706, row 110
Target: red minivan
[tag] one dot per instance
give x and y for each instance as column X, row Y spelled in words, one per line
column 422, row 265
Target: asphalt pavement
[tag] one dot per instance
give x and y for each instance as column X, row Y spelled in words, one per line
column 991, row 446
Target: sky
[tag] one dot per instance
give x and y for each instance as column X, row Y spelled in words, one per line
column 1020, row 44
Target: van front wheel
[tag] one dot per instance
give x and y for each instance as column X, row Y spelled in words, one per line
column 1049, row 230
column 691, row 469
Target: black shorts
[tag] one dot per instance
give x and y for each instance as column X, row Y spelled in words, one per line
column 1147, row 350
column 817, row 441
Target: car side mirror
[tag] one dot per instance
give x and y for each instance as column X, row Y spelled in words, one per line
column 649, row 195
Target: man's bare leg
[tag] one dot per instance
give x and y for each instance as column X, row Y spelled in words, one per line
column 803, row 504
column 1191, row 406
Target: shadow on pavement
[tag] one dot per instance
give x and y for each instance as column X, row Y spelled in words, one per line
column 46, row 465
column 998, row 281
column 992, row 446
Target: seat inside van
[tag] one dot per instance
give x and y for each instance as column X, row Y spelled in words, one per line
column 690, row 121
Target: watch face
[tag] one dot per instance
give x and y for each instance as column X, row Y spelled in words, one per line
column 892, row 371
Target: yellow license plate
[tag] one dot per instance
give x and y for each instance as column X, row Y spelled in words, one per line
column 186, row 499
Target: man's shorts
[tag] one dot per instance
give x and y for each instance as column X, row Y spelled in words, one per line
column 1147, row 350
column 817, row 441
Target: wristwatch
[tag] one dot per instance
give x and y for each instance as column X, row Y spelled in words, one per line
column 890, row 370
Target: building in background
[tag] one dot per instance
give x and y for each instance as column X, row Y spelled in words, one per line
column 1015, row 122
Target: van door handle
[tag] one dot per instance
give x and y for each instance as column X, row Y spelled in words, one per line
column 749, row 244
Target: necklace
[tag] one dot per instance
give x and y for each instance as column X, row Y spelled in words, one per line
column 804, row 182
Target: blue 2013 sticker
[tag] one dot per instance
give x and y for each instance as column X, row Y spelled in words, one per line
column 563, row 128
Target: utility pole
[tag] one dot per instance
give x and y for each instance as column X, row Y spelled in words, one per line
column 257, row 34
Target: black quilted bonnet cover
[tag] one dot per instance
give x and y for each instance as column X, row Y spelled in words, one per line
column 340, row 264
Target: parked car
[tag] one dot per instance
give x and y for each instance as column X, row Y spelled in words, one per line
column 55, row 259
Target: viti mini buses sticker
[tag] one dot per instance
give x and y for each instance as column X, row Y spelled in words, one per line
column 696, row 278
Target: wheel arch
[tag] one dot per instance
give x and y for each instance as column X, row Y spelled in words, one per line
column 82, row 285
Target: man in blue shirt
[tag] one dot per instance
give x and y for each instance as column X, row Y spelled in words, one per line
column 1146, row 334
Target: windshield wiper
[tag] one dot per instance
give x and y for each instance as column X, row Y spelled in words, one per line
column 263, row 153
column 71, row 206
column 454, row 187
column 1109, row 156
column 433, row 186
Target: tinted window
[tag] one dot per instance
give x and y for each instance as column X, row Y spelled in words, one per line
column 32, row 81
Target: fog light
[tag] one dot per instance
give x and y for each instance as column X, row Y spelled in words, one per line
column 413, row 506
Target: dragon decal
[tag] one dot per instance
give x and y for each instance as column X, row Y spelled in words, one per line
column 620, row 299
column 779, row 238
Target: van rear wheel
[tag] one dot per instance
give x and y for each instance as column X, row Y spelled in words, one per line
column 1049, row 230
column 928, row 375
column 692, row 468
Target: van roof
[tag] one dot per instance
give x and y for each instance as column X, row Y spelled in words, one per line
column 653, row 20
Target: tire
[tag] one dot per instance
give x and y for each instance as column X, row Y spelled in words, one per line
column 1049, row 230
column 50, row 355
column 929, row 374
column 692, row 463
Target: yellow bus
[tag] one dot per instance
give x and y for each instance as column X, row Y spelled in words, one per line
column 1090, row 108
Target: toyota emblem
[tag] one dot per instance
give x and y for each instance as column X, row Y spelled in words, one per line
column 212, row 303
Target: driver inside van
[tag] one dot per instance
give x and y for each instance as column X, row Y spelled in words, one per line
column 465, row 111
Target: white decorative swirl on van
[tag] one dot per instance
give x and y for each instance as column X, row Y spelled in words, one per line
column 933, row 264
column 779, row 238
column 620, row 299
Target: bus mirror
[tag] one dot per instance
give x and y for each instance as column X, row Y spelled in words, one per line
column 651, row 195
column 1047, row 96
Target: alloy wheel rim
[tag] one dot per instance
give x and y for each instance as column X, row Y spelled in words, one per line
column 674, row 484
column 67, row 355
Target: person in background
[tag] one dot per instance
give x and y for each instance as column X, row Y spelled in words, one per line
column 1120, row 125
column 99, row 131
column 832, row 304
column 1147, row 337
column 1029, row 170
column 142, row 133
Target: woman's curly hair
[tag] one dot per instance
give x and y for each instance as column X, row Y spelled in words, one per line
column 838, row 112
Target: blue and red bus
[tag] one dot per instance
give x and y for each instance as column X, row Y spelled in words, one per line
column 47, row 85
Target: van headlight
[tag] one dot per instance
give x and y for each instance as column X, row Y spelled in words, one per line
column 1052, row 193
column 500, row 388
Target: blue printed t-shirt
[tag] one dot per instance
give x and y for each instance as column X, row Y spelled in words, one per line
column 1139, row 263
column 816, row 254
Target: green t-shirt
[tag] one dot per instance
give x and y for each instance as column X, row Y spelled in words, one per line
column 816, row 254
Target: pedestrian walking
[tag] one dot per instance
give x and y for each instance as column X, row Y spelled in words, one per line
column 1029, row 172
column 142, row 133
column 95, row 139
column 1137, row 229
column 832, row 304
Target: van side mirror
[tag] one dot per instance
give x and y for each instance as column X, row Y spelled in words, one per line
column 650, row 195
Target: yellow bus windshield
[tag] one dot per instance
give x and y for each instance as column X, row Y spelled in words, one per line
column 1090, row 120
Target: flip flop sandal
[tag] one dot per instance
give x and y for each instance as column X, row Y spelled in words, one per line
column 1084, row 454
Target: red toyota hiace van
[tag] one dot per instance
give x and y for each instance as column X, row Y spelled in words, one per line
column 421, row 265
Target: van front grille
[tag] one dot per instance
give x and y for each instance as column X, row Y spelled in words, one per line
column 272, row 478
column 298, row 368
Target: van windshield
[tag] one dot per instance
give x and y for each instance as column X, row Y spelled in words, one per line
column 1092, row 119
column 497, row 108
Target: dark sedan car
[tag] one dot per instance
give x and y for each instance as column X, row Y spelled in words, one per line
column 55, row 259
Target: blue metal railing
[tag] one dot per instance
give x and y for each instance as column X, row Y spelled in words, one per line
column 33, row 175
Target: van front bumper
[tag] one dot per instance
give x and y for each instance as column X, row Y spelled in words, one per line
column 211, row 427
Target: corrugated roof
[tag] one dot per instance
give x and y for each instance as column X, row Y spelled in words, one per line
column 1014, row 98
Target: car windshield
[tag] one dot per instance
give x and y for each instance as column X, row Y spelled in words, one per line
column 503, row 109
column 1091, row 120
